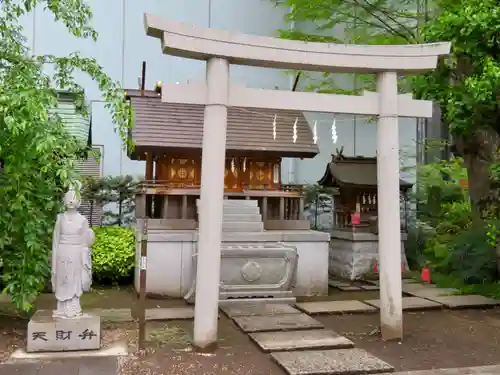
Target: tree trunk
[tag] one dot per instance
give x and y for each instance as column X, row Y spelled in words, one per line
column 479, row 151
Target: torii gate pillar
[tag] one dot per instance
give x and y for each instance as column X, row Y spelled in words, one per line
column 219, row 48
column 389, row 243
column 206, row 308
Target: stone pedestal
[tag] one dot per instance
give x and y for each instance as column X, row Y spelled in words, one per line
column 48, row 334
column 352, row 254
column 254, row 271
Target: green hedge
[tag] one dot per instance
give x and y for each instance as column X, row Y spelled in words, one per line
column 113, row 254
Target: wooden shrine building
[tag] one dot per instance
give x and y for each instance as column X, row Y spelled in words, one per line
column 169, row 138
column 356, row 181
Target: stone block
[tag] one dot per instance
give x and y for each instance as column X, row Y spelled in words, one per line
column 258, row 309
column 48, row 334
column 172, row 313
column 337, row 283
column 411, row 288
column 276, row 323
column 465, row 301
column 300, row 340
column 370, row 287
column 326, row 362
column 352, row 255
column 433, row 292
column 349, row 288
column 410, row 303
column 335, row 307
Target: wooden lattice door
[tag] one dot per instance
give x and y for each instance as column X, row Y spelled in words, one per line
column 260, row 176
column 182, row 172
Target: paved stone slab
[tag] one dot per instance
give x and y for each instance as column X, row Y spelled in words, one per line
column 433, row 292
column 337, row 283
column 335, row 307
column 410, row 303
column 410, row 288
column 47, row 334
column 258, row 309
column 113, row 315
column 297, row 340
column 403, row 281
column 349, row 288
column 172, row 313
column 465, row 301
column 331, row 362
column 276, row 323
column 370, row 287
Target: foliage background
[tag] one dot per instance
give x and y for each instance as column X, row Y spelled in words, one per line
column 32, row 180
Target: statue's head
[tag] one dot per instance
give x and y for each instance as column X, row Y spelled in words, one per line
column 72, row 197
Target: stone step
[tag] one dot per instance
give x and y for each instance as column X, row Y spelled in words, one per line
column 241, row 202
column 286, row 322
column 249, row 210
column 237, row 202
column 300, row 340
column 239, row 210
column 240, row 301
column 242, row 218
column 250, row 226
column 258, row 309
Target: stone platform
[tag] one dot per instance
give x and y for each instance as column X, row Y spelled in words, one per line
column 48, row 334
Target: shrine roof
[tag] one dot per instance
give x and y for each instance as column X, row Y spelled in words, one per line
column 354, row 171
column 159, row 125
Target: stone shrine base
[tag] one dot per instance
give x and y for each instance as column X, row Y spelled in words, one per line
column 352, row 254
column 48, row 334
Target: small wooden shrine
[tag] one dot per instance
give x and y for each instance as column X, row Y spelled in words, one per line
column 168, row 136
column 354, row 234
column 355, row 202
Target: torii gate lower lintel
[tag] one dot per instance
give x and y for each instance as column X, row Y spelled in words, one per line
column 220, row 49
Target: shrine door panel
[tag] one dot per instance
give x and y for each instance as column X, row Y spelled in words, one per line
column 182, row 172
column 232, row 176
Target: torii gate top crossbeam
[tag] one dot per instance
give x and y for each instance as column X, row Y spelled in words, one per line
column 183, row 40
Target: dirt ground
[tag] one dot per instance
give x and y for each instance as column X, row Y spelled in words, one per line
column 433, row 339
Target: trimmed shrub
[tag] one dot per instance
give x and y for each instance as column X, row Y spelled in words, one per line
column 113, row 254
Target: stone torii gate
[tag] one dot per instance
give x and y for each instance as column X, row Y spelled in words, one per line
column 222, row 48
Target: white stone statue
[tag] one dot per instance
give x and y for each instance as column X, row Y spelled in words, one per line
column 71, row 257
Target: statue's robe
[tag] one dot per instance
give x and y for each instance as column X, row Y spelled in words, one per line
column 71, row 267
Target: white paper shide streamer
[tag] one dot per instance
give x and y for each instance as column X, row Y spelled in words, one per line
column 315, row 132
column 295, row 130
column 233, row 165
column 274, row 128
column 334, row 131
